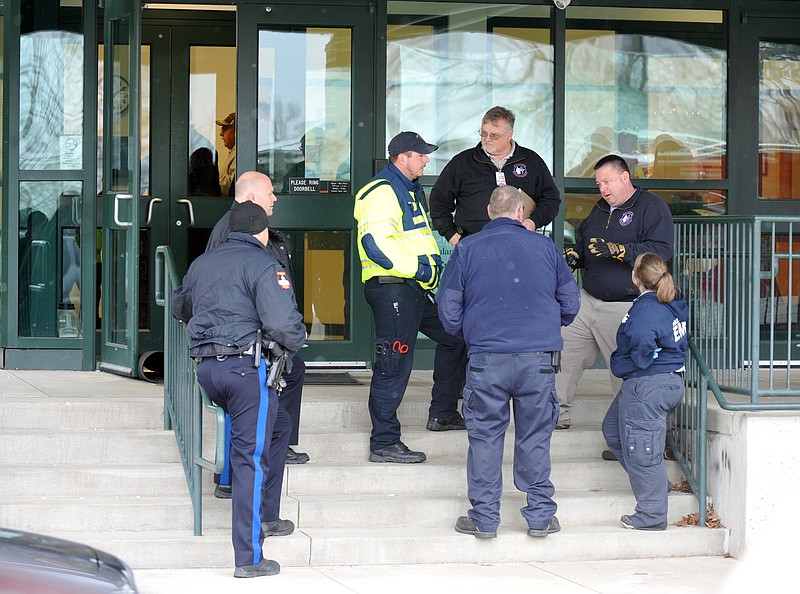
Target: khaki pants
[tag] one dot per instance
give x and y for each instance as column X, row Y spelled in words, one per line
column 593, row 332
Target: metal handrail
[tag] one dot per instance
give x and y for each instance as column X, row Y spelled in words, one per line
column 725, row 265
column 184, row 398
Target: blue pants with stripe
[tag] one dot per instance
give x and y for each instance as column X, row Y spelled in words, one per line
column 289, row 398
column 493, row 381
column 260, row 431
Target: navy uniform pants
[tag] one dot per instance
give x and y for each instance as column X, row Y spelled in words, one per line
column 401, row 311
column 493, row 380
column 635, row 429
column 289, row 399
column 259, row 439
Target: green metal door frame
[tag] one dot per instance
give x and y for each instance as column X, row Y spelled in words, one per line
column 119, row 350
column 302, row 212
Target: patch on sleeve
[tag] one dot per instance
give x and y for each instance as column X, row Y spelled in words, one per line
column 283, row 281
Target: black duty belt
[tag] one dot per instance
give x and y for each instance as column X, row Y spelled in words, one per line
column 390, row 280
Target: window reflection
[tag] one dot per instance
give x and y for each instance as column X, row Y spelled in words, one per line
column 51, row 101
column 49, row 258
column 658, row 98
column 144, row 119
column 447, row 63
column 304, row 107
column 681, row 202
column 779, row 121
column 326, row 284
column 212, row 100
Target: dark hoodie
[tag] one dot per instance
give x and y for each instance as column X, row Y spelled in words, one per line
column 652, row 338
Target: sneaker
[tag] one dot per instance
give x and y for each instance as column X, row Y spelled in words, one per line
column 453, row 422
column 627, row 522
column 553, row 527
column 608, row 455
column 264, row 567
column 278, row 528
column 465, row 525
column 293, row 457
column 223, row 492
column 563, row 425
column 397, row 452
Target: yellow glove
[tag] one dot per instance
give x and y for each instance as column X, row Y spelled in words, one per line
column 606, row 249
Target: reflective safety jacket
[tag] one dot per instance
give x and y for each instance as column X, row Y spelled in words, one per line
column 394, row 233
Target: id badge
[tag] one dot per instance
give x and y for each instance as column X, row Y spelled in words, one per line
column 500, row 177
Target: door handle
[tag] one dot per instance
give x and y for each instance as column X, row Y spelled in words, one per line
column 150, row 209
column 117, row 198
column 188, row 203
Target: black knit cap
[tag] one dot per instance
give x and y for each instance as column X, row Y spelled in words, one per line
column 248, row 217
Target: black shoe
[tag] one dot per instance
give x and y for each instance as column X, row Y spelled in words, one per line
column 465, row 525
column 278, row 528
column 293, row 457
column 608, row 455
column 223, row 492
column 563, row 425
column 451, row 423
column 553, row 527
column 397, row 452
column 264, row 567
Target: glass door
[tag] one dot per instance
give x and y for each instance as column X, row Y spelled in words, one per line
column 309, row 96
column 120, row 190
column 773, row 51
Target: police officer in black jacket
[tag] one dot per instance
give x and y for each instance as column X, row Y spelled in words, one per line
column 230, row 297
column 257, row 187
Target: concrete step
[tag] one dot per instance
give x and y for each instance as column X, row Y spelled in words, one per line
column 95, row 465
column 82, row 480
column 445, row 474
column 83, row 413
column 339, row 407
column 398, row 546
column 89, row 446
column 428, row 511
column 158, row 512
column 352, row 445
column 441, row 476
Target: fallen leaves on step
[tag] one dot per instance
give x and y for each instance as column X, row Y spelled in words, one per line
column 712, row 520
column 683, row 486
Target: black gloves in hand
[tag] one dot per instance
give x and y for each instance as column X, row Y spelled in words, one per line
column 606, row 249
column 572, row 257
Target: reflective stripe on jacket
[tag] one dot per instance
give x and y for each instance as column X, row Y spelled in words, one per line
column 394, row 233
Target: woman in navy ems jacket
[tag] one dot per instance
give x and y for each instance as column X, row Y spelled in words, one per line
column 650, row 358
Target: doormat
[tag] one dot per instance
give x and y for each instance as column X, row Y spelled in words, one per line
column 329, row 378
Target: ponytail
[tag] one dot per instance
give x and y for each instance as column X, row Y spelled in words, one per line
column 652, row 272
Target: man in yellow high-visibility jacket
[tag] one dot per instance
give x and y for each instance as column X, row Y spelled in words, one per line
column 400, row 266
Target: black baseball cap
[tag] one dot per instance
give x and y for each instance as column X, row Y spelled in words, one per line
column 410, row 141
column 248, row 217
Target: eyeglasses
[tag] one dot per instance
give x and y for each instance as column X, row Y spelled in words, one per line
column 493, row 136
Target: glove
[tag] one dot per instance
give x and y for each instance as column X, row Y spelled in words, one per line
column 572, row 257
column 606, row 249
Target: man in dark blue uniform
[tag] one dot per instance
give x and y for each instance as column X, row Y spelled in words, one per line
column 625, row 222
column 508, row 291
column 229, row 297
column 257, row 187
